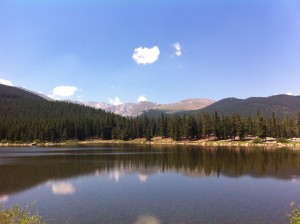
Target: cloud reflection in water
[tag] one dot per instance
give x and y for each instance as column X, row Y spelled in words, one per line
column 147, row 219
column 143, row 178
column 3, row 198
column 63, row 188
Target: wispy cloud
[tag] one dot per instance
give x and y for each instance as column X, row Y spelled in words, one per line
column 5, row 82
column 178, row 48
column 146, row 55
column 116, row 101
column 142, row 98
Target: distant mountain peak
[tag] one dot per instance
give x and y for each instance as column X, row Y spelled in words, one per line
column 136, row 109
column 185, row 105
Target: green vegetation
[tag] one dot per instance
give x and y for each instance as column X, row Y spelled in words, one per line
column 294, row 217
column 282, row 140
column 257, row 141
column 25, row 117
column 17, row 214
column 282, row 105
column 4, row 141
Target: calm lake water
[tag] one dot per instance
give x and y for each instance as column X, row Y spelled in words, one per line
column 147, row 184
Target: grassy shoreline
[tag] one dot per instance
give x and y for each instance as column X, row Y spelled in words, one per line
column 161, row 141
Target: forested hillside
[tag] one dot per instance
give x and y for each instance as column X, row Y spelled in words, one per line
column 282, row 105
column 9, row 93
column 27, row 117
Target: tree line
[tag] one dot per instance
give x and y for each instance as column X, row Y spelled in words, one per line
column 28, row 120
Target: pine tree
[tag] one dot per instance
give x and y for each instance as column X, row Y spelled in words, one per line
column 218, row 132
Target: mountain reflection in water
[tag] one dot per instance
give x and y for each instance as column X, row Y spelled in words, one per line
column 23, row 168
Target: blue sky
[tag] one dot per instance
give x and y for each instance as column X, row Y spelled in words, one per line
column 165, row 51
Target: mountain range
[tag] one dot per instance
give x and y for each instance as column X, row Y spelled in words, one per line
column 136, row 109
column 282, row 105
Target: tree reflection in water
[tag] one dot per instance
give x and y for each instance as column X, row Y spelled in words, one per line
column 19, row 171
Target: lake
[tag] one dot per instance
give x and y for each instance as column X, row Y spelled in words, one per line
column 152, row 184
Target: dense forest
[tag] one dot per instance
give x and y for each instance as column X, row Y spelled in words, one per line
column 26, row 117
column 282, row 105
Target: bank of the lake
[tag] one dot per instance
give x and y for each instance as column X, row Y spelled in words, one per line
column 164, row 141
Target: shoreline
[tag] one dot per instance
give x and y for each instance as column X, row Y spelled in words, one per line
column 160, row 141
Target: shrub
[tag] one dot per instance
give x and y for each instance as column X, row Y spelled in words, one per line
column 4, row 141
column 17, row 214
column 257, row 141
column 282, row 140
column 294, row 217
column 37, row 141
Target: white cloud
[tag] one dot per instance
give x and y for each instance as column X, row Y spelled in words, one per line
column 177, row 47
column 5, row 82
column 142, row 98
column 290, row 94
column 64, row 188
column 116, row 101
column 146, row 55
column 63, row 91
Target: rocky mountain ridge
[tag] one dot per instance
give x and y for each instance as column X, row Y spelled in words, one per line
column 135, row 109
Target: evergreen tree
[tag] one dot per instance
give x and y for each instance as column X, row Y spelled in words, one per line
column 218, row 130
column 261, row 127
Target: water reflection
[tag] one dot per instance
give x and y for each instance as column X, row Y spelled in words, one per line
column 62, row 188
column 143, row 178
column 115, row 175
column 147, row 219
column 3, row 198
column 19, row 172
